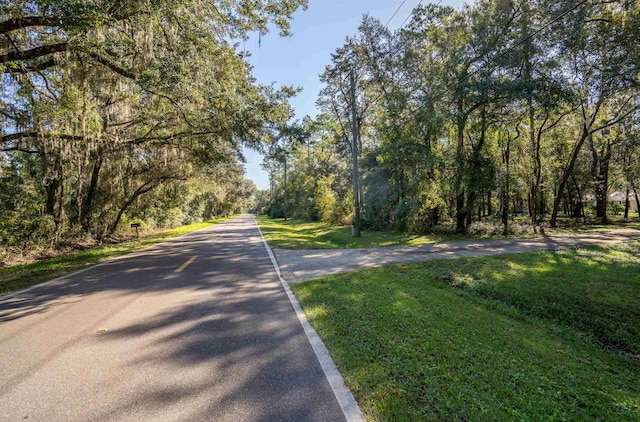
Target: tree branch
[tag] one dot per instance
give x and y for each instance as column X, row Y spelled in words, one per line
column 17, row 148
column 32, row 134
column 46, row 50
column 27, row 21
column 105, row 62
column 33, row 53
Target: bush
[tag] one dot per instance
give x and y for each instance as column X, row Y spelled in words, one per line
column 21, row 233
column 616, row 209
column 330, row 208
column 491, row 227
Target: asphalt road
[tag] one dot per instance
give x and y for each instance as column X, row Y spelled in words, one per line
column 134, row 340
column 301, row 265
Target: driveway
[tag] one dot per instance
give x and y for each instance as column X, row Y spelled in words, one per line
column 300, row 265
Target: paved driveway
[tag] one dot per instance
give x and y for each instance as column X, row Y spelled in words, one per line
column 300, row 265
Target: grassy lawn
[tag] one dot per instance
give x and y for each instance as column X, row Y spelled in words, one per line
column 538, row 336
column 298, row 234
column 615, row 221
column 21, row 276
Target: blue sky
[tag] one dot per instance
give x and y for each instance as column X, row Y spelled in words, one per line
column 299, row 59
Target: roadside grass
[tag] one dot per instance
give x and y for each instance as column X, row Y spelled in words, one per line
column 22, row 276
column 537, row 336
column 300, row 234
column 615, row 221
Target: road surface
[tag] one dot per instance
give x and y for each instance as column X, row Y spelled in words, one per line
column 195, row 329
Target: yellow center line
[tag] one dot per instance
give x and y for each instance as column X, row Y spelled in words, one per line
column 186, row 264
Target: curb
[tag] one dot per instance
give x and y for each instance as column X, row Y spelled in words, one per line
column 345, row 398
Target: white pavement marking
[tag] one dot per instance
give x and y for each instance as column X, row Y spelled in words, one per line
column 346, row 400
column 127, row 255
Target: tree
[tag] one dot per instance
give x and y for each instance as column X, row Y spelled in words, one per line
column 112, row 101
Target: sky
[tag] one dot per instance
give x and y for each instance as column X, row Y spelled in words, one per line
column 299, row 59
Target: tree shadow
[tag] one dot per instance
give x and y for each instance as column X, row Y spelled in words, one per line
column 217, row 341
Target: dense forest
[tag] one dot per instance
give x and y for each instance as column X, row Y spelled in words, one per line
column 502, row 108
column 122, row 110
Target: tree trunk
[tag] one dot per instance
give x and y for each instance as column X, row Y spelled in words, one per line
column 433, row 217
column 55, row 191
column 355, row 130
column 146, row 187
column 533, row 189
column 534, row 142
column 635, row 194
column 471, row 200
column 569, row 205
column 460, row 213
column 460, row 209
column 285, row 189
column 476, row 170
column 54, row 187
column 87, row 204
column 505, row 194
column 542, row 204
column 600, row 175
column 579, row 209
column 626, row 204
column 504, row 205
column 568, row 171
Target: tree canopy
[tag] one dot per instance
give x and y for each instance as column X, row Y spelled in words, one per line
column 498, row 109
column 120, row 109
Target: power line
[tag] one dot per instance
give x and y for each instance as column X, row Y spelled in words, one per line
column 412, row 109
column 519, row 43
column 335, row 69
column 411, row 14
column 396, row 12
column 490, row 61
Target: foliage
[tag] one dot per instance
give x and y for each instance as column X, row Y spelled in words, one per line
column 533, row 336
column 115, row 110
column 489, row 112
column 301, row 234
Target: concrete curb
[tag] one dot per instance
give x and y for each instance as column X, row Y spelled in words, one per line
column 347, row 402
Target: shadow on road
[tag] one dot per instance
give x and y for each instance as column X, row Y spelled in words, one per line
column 219, row 339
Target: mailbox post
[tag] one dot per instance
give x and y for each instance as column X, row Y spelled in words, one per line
column 136, row 225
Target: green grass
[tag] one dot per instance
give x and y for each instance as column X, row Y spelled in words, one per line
column 538, row 336
column 22, row 276
column 566, row 224
column 298, row 234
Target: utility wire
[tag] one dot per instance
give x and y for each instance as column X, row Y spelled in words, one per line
column 412, row 109
column 513, row 47
column 396, row 12
column 335, row 69
column 411, row 14
column 490, row 61
column 519, row 43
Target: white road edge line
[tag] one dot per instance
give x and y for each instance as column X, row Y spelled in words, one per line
column 133, row 254
column 342, row 393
